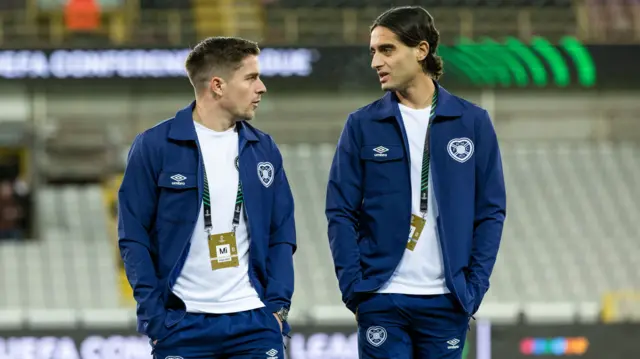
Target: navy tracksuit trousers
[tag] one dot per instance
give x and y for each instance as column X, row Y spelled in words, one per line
column 398, row 326
column 244, row 335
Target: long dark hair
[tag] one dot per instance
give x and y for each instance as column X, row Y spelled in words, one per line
column 412, row 25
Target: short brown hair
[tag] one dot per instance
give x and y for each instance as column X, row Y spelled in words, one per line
column 217, row 55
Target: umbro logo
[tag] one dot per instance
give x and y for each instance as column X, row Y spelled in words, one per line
column 272, row 354
column 453, row 344
column 380, row 151
column 178, row 180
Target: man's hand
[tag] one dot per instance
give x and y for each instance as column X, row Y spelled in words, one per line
column 155, row 342
column 278, row 319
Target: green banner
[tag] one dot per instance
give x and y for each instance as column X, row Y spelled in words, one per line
column 514, row 63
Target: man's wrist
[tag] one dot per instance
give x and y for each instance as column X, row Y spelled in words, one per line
column 282, row 314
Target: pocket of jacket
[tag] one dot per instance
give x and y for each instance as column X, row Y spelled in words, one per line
column 271, row 318
column 381, row 167
column 178, row 196
column 373, row 302
column 473, row 290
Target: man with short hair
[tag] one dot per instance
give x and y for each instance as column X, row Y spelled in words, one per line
column 415, row 201
column 206, row 218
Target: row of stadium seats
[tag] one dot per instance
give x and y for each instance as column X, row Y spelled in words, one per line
column 184, row 4
column 571, row 236
column 423, row 3
column 49, row 4
column 103, row 4
column 71, row 265
column 278, row 22
column 173, row 22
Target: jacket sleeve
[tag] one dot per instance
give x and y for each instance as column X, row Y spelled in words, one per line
column 137, row 199
column 490, row 208
column 343, row 202
column 282, row 243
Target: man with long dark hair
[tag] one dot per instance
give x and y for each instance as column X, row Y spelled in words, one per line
column 415, row 202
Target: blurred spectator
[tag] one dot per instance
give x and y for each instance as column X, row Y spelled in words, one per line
column 82, row 15
column 22, row 195
column 15, row 219
column 11, row 213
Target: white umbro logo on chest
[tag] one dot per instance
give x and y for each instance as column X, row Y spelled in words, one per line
column 178, row 179
column 380, row 151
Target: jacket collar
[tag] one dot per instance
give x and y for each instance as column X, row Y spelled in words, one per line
column 183, row 129
column 448, row 105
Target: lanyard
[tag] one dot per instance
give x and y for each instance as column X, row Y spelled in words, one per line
column 424, row 181
column 206, row 201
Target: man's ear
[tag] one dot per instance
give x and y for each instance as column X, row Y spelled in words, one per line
column 422, row 51
column 217, row 86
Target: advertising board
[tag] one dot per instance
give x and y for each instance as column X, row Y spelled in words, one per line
column 595, row 341
column 497, row 63
column 484, row 341
column 305, row 343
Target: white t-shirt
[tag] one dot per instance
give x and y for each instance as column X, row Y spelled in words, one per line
column 226, row 290
column 420, row 271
